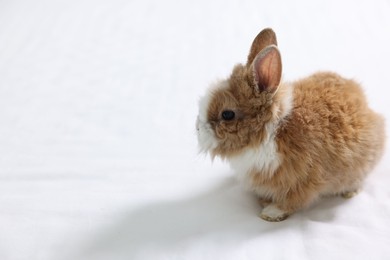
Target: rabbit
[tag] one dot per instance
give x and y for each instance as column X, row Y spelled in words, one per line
column 290, row 143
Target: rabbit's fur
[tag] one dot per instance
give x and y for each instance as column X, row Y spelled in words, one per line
column 290, row 143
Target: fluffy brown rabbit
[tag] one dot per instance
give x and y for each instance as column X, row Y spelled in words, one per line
column 290, row 143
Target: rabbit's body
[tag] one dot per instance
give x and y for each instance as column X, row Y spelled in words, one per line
column 326, row 145
column 290, row 143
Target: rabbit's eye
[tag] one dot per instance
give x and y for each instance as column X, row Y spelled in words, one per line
column 228, row 115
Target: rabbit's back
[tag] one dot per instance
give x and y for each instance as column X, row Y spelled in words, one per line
column 331, row 133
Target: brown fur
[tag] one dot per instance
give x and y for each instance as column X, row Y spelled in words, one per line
column 251, row 107
column 327, row 143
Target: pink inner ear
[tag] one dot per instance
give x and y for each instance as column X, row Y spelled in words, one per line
column 265, row 38
column 267, row 68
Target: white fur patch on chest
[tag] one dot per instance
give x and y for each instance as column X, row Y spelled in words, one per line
column 264, row 159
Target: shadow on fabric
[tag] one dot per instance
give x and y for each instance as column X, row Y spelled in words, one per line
column 222, row 217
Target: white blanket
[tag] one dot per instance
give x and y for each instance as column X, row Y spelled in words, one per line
column 98, row 152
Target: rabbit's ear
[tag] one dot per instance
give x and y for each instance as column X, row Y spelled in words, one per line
column 267, row 69
column 265, row 38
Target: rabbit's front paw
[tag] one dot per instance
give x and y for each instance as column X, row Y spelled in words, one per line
column 349, row 194
column 273, row 214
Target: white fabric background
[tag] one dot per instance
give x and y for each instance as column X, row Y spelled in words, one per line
column 98, row 153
